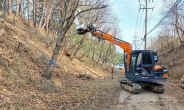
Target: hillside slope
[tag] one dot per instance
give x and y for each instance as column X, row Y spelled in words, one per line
column 174, row 60
column 24, row 57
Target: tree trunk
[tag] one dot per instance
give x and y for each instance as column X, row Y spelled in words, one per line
column 49, row 69
column 20, row 8
column 77, row 49
column 101, row 52
column 177, row 27
column 46, row 23
column 17, row 6
column 167, row 41
column 106, row 53
column 9, row 8
column 162, row 44
column 28, row 14
column 99, row 59
column 34, row 12
column 48, row 18
column 14, row 20
column 84, row 54
column 93, row 54
column 42, row 14
column 53, row 60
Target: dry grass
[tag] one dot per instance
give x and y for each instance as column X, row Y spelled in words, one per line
column 23, row 58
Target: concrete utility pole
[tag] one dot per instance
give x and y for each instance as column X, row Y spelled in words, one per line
column 146, row 19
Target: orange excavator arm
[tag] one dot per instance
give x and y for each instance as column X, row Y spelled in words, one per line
column 101, row 35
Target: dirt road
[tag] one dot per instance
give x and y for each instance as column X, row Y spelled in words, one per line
column 147, row 100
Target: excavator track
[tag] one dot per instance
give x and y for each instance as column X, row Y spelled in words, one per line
column 158, row 88
column 135, row 87
column 130, row 86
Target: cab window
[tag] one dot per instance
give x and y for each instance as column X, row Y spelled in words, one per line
column 147, row 58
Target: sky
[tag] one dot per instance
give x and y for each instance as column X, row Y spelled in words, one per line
column 133, row 20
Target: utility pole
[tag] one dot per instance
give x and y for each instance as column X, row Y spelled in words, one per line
column 146, row 19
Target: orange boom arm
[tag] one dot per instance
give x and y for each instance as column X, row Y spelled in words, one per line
column 101, row 35
column 123, row 44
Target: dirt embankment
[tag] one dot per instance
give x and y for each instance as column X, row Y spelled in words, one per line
column 24, row 57
column 174, row 61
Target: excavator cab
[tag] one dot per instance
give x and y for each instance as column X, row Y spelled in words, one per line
column 143, row 68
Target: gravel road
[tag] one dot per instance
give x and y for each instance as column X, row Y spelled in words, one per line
column 147, row 100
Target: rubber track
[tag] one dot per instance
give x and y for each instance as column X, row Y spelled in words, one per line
column 131, row 87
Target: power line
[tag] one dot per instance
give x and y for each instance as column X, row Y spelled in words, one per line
column 135, row 42
column 139, row 25
column 136, row 22
column 141, row 44
column 142, row 37
column 165, row 16
column 150, row 5
column 156, row 7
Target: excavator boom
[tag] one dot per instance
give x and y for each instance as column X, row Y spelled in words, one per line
column 127, row 47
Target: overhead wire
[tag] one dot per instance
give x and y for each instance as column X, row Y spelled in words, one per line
column 142, row 37
column 150, row 5
column 136, row 22
column 143, row 27
column 155, row 8
column 140, row 22
column 165, row 16
column 140, row 45
column 140, row 28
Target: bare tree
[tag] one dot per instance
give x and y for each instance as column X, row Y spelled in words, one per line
column 42, row 13
column 66, row 21
column 178, row 27
column 174, row 25
column 28, row 12
column 35, row 4
column 9, row 7
column 48, row 15
column 80, row 44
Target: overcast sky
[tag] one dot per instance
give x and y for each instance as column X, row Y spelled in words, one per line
column 128, row 12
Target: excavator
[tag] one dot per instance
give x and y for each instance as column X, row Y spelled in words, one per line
column 141, row 69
